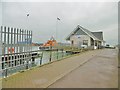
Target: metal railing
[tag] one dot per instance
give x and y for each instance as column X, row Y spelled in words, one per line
column 16, row 47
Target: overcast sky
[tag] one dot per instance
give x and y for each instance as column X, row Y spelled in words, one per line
column 94, row 16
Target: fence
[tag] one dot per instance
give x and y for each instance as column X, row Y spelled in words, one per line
column 17, row 54
column 16, row 47
column 51, row 55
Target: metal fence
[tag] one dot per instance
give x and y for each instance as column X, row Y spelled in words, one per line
column 17, row 54
column 16, row 49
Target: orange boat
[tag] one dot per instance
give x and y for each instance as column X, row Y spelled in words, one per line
column 52, row 42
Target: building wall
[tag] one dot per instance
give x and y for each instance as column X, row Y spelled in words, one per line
column 78, row 40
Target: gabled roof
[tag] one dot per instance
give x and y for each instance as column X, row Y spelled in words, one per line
column 99, row 35
column 94, row 35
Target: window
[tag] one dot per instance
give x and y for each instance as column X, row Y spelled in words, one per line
column 85, row 42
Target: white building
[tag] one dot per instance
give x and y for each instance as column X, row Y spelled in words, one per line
column 82, row 37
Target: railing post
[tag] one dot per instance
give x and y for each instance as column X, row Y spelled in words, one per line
column 62, row 53
column 6, row 72
column 57, row 54
column 27, row 63
column 41, row 58
column 33, row 61
column 50, row 53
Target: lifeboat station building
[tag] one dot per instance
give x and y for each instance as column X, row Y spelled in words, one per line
column 83, row 38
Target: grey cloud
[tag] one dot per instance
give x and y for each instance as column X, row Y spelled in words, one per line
column 42, row 20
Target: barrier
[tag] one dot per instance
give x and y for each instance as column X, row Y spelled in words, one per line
column 16, row 47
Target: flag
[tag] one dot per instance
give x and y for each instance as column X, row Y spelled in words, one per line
column 58, row 18
column 28, row 14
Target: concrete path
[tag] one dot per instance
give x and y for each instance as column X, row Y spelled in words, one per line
column 91, row 69
column 100, row 72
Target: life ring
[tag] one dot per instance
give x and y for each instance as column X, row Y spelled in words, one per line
column 11, row 49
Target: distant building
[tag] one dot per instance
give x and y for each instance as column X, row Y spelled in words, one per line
column 63, row 44
column 84, row 38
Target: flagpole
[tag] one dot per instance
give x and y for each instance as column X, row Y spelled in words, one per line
column 56, row 28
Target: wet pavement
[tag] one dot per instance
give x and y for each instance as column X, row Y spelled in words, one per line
column 92, row 69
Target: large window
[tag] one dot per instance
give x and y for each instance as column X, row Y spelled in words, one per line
column 85, row 42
